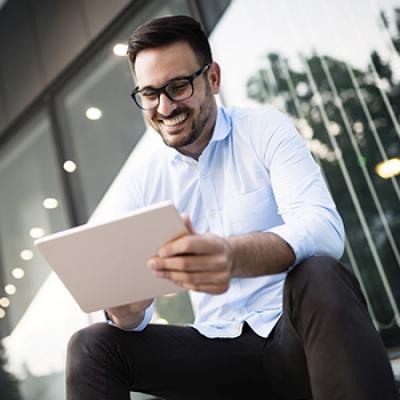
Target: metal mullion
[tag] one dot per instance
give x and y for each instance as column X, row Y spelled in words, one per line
column 196, row 12
column 71, row 185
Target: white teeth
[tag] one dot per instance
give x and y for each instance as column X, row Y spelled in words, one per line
column 175, row 121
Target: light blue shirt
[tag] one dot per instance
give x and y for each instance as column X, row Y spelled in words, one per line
column 255, row 175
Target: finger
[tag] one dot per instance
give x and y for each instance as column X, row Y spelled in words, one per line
column 192, row 244
column 188, row 223
column 217, row 262
column 196, row 278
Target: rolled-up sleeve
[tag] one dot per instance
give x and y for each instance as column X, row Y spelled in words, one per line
column 312, row 225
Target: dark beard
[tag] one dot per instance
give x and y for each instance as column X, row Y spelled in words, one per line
column 185, row 141
column 199, row 125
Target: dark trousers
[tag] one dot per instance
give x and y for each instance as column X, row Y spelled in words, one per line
column 324, row 347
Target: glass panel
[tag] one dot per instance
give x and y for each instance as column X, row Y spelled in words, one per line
column 333, row 66
column 31, row 205
column 212, row 11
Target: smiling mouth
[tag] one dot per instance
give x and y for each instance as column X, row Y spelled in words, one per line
column 175, row 121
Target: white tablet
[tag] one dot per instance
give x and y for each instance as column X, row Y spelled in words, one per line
column 104, row 265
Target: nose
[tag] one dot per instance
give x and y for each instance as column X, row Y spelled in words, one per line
column 166, row 106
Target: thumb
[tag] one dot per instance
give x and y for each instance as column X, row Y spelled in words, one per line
column 188, row 223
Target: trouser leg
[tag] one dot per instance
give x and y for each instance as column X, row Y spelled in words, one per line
column 345, row 356
column 324, row 343
column 170, row 362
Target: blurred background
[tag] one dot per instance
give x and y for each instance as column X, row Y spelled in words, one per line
column 68, row 128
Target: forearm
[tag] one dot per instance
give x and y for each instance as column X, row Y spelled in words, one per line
column 258, row 254
column 206, row 263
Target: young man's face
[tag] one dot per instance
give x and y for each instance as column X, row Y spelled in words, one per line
column 181, row 124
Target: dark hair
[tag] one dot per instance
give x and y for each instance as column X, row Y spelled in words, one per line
column 163, row 31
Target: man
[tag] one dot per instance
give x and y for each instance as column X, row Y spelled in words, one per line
column 276, row 315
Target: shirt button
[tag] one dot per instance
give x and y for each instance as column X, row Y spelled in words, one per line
column 203, row 175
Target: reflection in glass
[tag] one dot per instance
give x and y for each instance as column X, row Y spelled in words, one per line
column 101, row 145
column 120, row 49
column 50, row 203
column 4, row 302
column 10, row 289
column 93, row 113
column 69, row 166
column 36, row 233
column 334, row 70
column 102, row 126
column 26, row 255
column 28, row 174
column 389, row 168
column 18, row 273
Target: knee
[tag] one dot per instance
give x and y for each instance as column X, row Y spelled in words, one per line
column 319, row 271
column 88, row 339
column 88, row 349
column 93, row 355
column 321, row 282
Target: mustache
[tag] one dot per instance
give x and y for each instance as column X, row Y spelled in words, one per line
column 174, row 113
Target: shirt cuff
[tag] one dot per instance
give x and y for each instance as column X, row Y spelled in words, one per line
column 301, row 243
column 148, row 314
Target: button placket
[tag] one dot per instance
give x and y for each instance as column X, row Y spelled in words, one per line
column 212, row 213
column 209, row 197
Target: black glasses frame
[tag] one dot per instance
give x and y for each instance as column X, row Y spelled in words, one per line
column 164, row 89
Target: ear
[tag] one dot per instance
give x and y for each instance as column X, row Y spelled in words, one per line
column 214, row 77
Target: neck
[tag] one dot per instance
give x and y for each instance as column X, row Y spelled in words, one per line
column 195, row 149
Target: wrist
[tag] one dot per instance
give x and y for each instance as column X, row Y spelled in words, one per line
column 127, row 322
column 230, row 246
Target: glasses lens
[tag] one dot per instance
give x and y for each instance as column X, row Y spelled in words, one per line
column 147, row 99
column 180, row 89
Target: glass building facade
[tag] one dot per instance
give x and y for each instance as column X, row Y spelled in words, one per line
column 333, row 66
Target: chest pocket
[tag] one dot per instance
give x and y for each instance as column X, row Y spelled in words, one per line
column 251, row 212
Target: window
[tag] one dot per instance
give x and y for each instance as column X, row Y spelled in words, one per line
column 101, row 125
column 31, row 205
column 333, row 68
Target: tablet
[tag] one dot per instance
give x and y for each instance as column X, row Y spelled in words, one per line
column 104, row 265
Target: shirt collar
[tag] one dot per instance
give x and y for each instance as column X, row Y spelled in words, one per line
column 223, row 127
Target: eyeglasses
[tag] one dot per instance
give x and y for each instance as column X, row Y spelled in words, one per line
column 178, row 89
